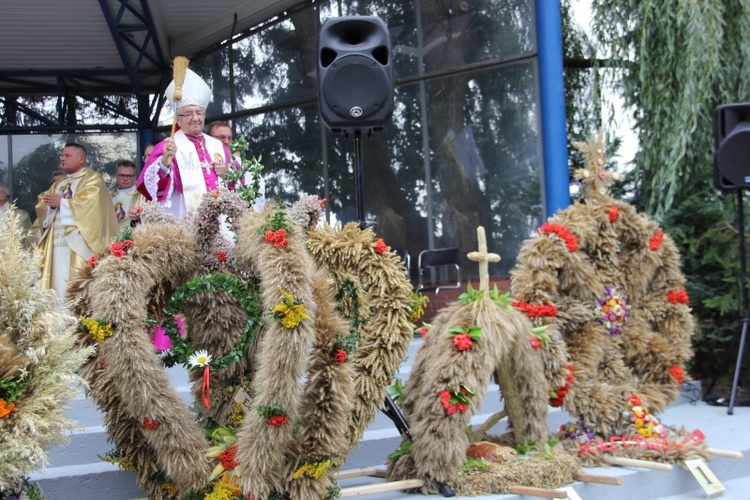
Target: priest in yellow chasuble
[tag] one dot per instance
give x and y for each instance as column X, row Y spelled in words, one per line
column 77, row 219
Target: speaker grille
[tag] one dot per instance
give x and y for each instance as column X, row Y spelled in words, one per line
column 355, row 82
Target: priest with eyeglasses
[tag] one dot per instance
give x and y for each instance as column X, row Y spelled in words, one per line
column 180, row 170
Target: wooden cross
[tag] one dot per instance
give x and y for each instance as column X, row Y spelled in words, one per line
column 484, row 259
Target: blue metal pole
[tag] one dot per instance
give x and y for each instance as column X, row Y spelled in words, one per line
column 552, row 97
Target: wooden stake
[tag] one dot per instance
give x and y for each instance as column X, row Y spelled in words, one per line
column 585, row 477
column 380, row 488
column 537, row 492
column 725, row 453
column 632, row 462
column 363, row 472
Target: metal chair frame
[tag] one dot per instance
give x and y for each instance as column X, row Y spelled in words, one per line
column 439, row 260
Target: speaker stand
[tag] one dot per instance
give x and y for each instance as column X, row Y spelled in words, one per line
column 742, row 334
column 359, row 197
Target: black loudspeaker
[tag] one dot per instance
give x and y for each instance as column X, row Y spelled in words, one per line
column 732, row 146
column 355, row 74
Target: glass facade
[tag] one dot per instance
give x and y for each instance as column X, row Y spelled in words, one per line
column 463, row 148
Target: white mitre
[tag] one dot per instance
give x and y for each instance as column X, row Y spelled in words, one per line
column 195, row 92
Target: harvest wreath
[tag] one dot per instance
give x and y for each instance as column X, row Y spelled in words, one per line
column 257, row 328
column 621, row 324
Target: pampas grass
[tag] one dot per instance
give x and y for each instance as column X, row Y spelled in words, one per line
column 38, row 340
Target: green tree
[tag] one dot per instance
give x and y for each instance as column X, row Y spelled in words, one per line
column 677, row 60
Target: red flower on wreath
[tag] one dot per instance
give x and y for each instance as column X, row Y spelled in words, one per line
column 655, row 243
column 278, row 238
column 340, row 356
column 532, row 311
column 150, row 424
column 571, row 243
column 380, row 246
column 462, row 342
column 678, row 373
column 221, row 256
column 6, row 407
column 557, row 396
column 92, row 260
column 614, row 213
column 455, row 401
column 678, row 297
column 227, row 458
column 277, row 420
column 635, row 400
column 120, row 248
column 536, row 343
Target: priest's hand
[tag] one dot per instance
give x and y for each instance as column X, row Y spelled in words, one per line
column 220, row 166
column 52, row 200
column 170, row 148
column 134, row 212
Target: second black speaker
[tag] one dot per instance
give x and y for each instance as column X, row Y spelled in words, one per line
column 355, row 74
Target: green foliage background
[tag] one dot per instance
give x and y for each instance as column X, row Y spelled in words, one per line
column 674, row 61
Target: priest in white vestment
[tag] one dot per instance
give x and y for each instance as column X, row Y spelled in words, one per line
column 77, row 220
column 125, row 198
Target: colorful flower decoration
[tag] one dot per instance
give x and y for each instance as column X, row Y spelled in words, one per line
column 655, row 243
column 380, row 246
column 99, row 329
column 274, row 414
column 613, row 213
column 278, row 238
column 539, row 339
column 464, row 337
column 340, row 356
column 678, row 296
column 612, row 311
column 571, row 243
column 577, row 431
column 556, row 397
column 416, row 305
column 6, row 407
column 120, row 248
column 199, row 358
column 150, row 423
column 532, row 311
column 645, row 424
column 456, row 401
column 423, row 330
column 290, row 311
column 677, row 372
column 228, row 458
column 313, row 469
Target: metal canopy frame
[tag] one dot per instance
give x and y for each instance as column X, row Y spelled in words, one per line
column 95, row 85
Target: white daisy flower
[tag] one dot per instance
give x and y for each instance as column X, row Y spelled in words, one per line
column 199, row 358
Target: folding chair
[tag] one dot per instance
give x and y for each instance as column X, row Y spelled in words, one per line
column 437, row 269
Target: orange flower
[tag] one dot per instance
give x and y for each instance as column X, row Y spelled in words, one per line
column 614, row 213
column 215, row 194
column 5, row 408
column 655, row 243
column 380, row 246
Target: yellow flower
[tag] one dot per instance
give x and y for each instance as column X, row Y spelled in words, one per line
column 644, row 431
column 314, row 469
column 638, row 422
column 99, row 330
column 223, row 491
column 290, row 311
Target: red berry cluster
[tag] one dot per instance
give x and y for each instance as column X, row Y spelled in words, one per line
column 571, row 243
column 278, row 238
